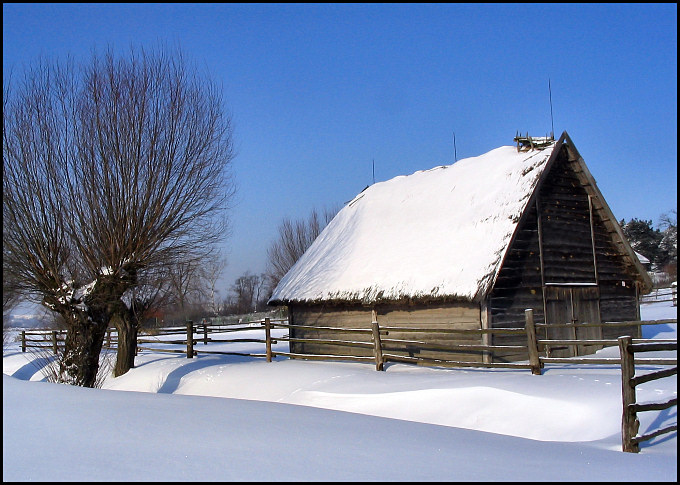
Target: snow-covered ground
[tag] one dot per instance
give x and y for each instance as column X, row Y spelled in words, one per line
column 227, row 418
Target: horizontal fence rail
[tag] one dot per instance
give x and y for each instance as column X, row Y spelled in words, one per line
column 203, row 333
column 547, row 344
column 191, row 335
column 377, row 338
column 661, row 295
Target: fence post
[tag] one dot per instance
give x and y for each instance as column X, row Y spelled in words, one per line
column 629, row 422
column 23, row 340
column 532, row 344
column 377, row 343
column 205, row 333
column 190, row 339
column 54, row 342
column 108, row 338
column 268, row 338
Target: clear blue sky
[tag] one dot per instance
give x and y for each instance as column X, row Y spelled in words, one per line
column 317, row 92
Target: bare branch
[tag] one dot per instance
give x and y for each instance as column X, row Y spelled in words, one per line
column 293, row 240
column 112, row 173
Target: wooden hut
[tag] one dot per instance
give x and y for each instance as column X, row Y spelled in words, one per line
column 644, row 261
column 471, row 246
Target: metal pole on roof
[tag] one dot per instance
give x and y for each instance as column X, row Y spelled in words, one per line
column 552, row 127
column 455, row 155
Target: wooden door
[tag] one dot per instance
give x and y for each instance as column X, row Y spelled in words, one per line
column 573, row 305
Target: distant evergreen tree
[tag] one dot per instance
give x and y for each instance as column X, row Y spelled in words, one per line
column 643, row 238
column 660, row 246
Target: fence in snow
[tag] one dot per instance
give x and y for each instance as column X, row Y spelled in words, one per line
column 195, row 334
column 661, row 294
column 379, row 343
column 629, row 422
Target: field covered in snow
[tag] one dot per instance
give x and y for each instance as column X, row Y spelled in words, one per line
column 227, row 418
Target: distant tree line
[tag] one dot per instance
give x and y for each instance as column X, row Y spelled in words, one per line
column 659, row 245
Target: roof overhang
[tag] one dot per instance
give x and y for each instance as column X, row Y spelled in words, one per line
column 600, row 205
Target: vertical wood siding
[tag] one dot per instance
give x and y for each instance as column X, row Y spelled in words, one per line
column 566, row 246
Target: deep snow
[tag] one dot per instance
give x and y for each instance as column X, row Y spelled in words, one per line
column 221, row 418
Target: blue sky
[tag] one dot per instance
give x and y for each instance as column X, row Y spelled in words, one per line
column 319, row 92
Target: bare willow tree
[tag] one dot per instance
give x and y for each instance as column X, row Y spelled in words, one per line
column 151, row 292
column 112, row 173
column 212, row 271
column 294, row 237
column 10, row 291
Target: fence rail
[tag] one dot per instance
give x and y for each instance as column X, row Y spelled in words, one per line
column 546, row 344
column 192, row 334
column 382, row 345
column 630, row 424
column 661, row 295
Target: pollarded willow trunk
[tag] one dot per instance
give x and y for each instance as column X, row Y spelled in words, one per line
column 80, row 362
column 126, row 325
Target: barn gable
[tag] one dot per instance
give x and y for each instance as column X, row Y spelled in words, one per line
column 568, row 259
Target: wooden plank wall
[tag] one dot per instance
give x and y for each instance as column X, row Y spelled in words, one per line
column 617, row 302
column 518, row 287
column 615, row 278
column 461, row 316
column 565, row 226
column 566, row 249
column 445, row 316
column 329, row 316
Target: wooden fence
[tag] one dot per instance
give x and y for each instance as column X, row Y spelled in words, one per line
column 629, row 421
column 53, row 340
column 42, row 339
column 546, row 345
column 383, row 348
column 375, row 339
column 661, row 294
column 192, row 335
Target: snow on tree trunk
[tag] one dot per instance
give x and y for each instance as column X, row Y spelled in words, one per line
column 83, row 345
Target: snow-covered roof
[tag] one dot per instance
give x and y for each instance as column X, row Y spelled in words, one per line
column 438, row 233
column 642, row 258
